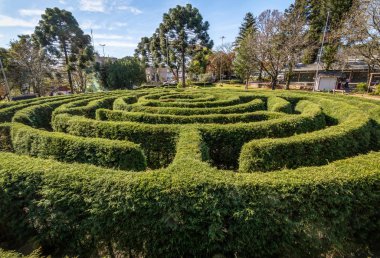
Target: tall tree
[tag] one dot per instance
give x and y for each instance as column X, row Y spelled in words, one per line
column 60, row 33
column 200, row 61
column 248, row 27
column 360, row 33
column 244, row 63
column 316, row 12
column 184, row 33
column 32, row 62
column 269, row 44
column 221, row 61
column 293, row 32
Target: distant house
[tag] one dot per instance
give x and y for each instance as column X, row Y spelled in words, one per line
column 161, row 74
column 355, row 70
column 61, row 90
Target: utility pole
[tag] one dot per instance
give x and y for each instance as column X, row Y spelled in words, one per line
column 5, row 80
column 221, row 60
column 103, row 45
column 167, row 58
column 321, row 50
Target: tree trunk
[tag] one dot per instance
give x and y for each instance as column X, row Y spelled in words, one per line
column 274, row 82
column 183, row 70
column 68, row 70
column 289, row 76
column 260, row 73
column 246, row 83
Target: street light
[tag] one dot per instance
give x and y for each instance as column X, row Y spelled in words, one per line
column 103, row 45
column 221, row 60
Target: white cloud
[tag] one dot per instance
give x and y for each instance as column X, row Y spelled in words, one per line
column 116, row 43
column 30, row 12
column 27, row 32
column 130, row 9
column 109, row 36
column 90, row 25
column 1, row 36
column 93, row 5
column 6, row 21
column 62, row 1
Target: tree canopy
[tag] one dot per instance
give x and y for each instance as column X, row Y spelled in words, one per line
column 59, row 32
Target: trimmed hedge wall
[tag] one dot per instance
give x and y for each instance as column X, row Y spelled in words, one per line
column 277, row 104
column 225, row 141
column 157, row 141
column 111, row 115
column 254, row 105
column 301, row 213
column 316, row 148
column 108, row 153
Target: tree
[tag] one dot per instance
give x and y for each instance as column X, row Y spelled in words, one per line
column 269, row 44
column 222, row 61
column 121, row 74
column 184, row 33
column 244, row 63
column 360, row 32
column 315, row 12
column 32, row 63
column 200, row 61
column 248, row 27
column 60, row 33
column 293, row 32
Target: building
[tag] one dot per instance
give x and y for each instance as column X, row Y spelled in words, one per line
column 355, row 70
column 161, row 74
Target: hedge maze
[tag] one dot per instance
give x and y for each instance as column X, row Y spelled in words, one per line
column 197, row 172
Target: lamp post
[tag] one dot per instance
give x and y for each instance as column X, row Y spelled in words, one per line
column 103, row 45
column 221, row 60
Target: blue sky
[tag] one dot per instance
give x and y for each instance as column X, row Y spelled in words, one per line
column 121, row 23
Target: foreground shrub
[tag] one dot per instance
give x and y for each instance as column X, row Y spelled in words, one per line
column 115, row 154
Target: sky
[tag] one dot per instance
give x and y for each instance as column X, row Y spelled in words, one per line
column 120, row 24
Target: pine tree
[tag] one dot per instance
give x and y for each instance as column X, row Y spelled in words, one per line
column 247, row 27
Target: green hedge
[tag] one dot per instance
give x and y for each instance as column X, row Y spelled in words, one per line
column 157, row 141
column 277, row 104
column 254, row 105
column 111, row 115
column 88, row 211
column 8, row 112
column 108, row 153
column 5, row 137
column 316, row 148
column 225, row 141
column 234, row 100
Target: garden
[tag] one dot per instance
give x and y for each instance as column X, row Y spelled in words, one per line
column 191, row 172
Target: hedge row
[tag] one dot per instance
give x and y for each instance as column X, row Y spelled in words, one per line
column 225, row 141
column 5, row 137
column 39, row 115
column 229, row 101
column 311, row 149
column 308, row 212
column 7, row 113
column 254, row 105
column 111, row 115
column 108, row 153
column 157, row 141
column 277, row 104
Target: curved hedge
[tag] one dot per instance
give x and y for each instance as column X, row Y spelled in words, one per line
column 201, row 191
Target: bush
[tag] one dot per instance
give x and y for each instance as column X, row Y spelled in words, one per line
column 344, row 140
column 157, row 141
column 310, row 211
column 277, row 104
column 225, row 141
column 108, row 153
column 361, row 87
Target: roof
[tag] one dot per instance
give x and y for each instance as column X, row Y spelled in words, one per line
column 352, row 64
